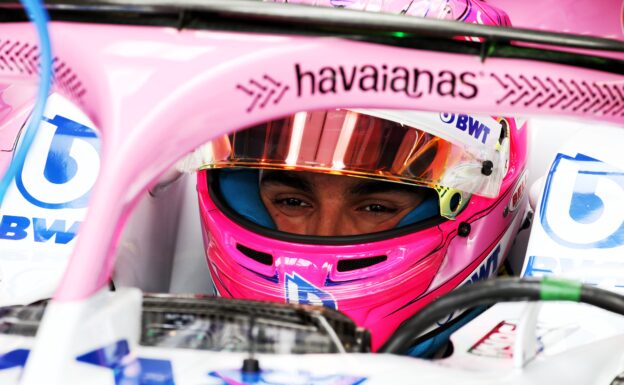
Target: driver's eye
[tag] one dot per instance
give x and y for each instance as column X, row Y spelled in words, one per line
column 291, row 202
column 378, row 208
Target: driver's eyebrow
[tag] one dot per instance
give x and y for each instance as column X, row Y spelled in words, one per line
column 287, row 179
column 370, row 187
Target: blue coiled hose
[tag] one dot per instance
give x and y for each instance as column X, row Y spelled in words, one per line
column 39, row 17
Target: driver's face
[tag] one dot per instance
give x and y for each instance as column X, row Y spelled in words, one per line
column 320, row 204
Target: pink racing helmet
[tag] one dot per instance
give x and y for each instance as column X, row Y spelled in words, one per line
column 458, row 234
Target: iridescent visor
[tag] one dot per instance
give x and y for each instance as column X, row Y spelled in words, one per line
column 442, row 151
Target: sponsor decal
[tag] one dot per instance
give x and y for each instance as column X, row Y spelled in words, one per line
column 57, row 177
column 497, row 343
column 17, row 228
column 583, row 203
column 413, row 82
column 486, row 269
column 62, row 166
column 468, row 124
column 47, row 202
column 300, row 291
column 518, row 193
column 582, row 208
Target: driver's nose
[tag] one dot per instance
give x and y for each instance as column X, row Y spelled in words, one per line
column 330, row 219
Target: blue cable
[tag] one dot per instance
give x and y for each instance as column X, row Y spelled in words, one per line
column 39, row 17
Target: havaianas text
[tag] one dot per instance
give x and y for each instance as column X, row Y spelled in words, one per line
column 413, row 82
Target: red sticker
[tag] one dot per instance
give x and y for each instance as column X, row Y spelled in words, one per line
column 497, row 343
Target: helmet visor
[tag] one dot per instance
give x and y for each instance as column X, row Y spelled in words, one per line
column 424, row 149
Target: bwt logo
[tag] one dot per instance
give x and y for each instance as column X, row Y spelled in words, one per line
column 15, row 228
column 302, row 292
column 467, row 124
column 62, row 166
column 583, row 203
column 486, row 269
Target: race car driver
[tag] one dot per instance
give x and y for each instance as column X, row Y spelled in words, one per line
column 371, row 212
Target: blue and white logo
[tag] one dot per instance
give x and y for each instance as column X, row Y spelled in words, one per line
column 16, row 228
column 62, row 166
column 583, row 203
column 302, row 292
column 486, row 269
column 468, row 124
